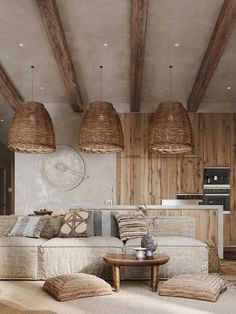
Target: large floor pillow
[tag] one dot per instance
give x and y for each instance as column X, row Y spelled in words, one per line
column 194, row 286
column 74, row 286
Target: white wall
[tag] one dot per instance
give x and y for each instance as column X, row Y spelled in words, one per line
column 32, row 193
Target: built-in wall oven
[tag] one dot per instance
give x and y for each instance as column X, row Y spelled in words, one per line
column 216, row 188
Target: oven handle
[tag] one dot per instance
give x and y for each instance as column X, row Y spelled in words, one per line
column 216, row 194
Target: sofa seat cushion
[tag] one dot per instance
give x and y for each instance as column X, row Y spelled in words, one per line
column 75, row 286
column 21, row 242
column 90, row 242
column 170, row 241
column 187, row 255
column 19, row 257
column 61, row 256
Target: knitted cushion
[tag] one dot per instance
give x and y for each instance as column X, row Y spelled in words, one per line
column 200, row 287
column 74, row 286
column 131, row 226
column 75, row 224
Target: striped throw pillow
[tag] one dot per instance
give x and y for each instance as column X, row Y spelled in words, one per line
column 28, row 227
column 74, row 286
column 197, row 286
column 131, row 226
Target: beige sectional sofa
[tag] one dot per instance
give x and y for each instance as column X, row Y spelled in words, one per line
column 39, row 259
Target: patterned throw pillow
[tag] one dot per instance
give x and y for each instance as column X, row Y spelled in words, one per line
column 131, row 226
column 75, row 224
column 74, row 286
column 28, row 227
column 200, row 287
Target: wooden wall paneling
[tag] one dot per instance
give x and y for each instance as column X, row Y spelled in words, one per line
column 217, row 139
column 196, row 120
column 155, row 180
column 170, row 170
column 191, row 176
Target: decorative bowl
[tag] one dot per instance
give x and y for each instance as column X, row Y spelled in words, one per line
column 140, row 252
column 41, row 212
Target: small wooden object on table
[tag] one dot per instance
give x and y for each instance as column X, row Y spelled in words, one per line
column 117, row 260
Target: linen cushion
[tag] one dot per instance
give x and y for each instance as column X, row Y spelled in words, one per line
column 131, row 226
column 75, row 224
column 6, row 224
column 104, row 223
column 52, row 227
column 200, row 287
column 74, row 286
column 28, row 227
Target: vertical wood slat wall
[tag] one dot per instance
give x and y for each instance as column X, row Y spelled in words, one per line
column 147, row 178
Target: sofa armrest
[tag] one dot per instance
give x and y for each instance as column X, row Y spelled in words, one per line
column 171, row 226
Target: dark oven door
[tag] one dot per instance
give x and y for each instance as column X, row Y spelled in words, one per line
column 217, row 199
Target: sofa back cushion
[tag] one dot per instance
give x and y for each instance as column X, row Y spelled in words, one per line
column 171, row 226
column 6, row 224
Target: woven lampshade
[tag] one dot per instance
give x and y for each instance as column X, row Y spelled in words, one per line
column 31, row 130
column 101, row 130
column 171, row 131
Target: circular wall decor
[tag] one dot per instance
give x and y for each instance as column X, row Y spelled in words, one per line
column 64, row 169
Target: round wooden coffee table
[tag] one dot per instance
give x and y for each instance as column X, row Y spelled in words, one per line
column 118, row 260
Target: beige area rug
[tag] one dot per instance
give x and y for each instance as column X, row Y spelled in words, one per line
column 135, row 297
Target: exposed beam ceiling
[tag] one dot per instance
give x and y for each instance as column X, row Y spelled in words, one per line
column 139, row 12
column 52, row 22
column 9, row 91
column 220, row 36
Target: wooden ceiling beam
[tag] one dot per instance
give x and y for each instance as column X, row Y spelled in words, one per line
column 139, row 12
column 8, row 90
column 52, row 22
column 220, row 36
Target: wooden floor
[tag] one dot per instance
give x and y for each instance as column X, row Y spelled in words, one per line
column 228, row 264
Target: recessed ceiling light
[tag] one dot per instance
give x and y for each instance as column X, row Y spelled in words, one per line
column 177, row 44
column 228, row 87
column 1, row 120
column 21, row 44
column 42, row 87
column 105, row 44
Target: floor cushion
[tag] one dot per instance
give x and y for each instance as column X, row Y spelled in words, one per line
column 74, row 286
column 200, row 287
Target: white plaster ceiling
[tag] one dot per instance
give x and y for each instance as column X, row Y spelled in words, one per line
column 88, row 24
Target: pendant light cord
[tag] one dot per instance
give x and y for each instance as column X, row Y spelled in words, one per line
column 32, row 82
column 101, row 67
column 170, row 67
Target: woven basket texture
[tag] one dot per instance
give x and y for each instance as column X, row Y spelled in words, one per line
column 31, row 130
column 171, row 131
column 101, row 130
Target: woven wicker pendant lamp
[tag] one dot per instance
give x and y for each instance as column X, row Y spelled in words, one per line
column 31, row 130
column 101, row 130
column 171, row 131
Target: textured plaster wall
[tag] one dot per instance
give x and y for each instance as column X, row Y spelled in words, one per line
column 32, row 193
